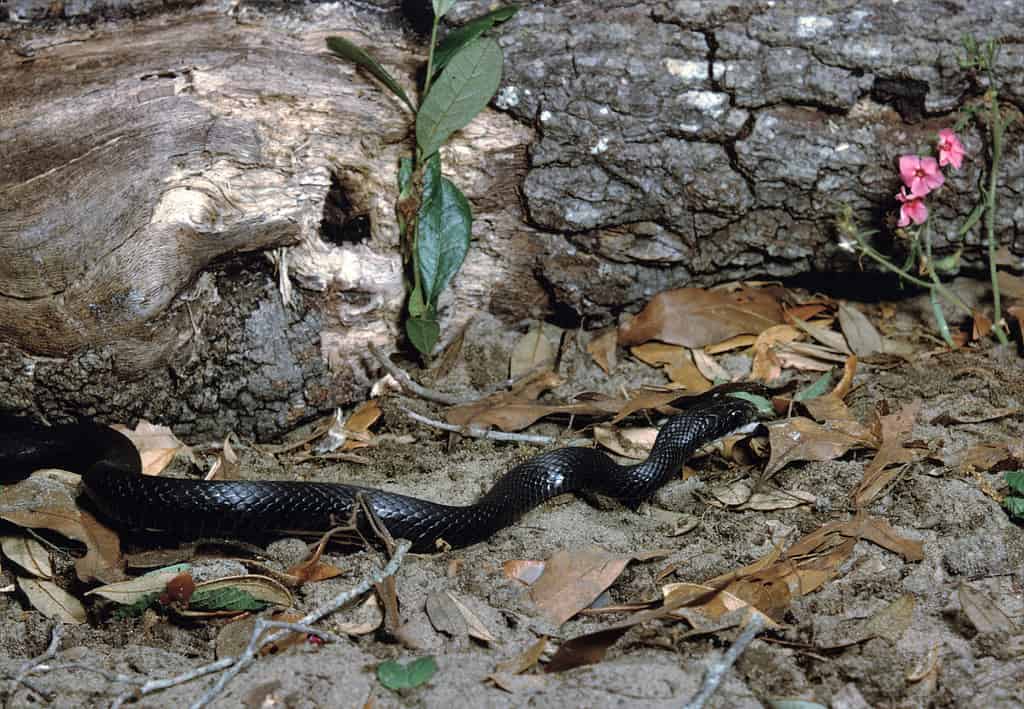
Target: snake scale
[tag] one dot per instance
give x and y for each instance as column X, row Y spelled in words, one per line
column 111, row 475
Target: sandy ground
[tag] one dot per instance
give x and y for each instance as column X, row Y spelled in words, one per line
column 940, row 659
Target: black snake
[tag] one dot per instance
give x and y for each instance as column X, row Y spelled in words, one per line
column 110, row 468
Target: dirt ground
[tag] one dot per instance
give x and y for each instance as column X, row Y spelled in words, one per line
column 939, row 658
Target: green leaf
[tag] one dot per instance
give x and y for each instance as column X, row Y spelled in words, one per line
column 819, row 388
column 395, row 675
column 443, row 226
column 1015, row 479
column 948, row 264
column 343, row 48
column 458, row 38
column 225, row 599
column 1015, row 505
column 423, row 333
column 136, row 609
column 404, row 175
column 764, row 407
column 416, row 305
column 461, row 92
column 441, row 7
column 972, row 218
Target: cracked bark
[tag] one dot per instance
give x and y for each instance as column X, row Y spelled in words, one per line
column 634, row 146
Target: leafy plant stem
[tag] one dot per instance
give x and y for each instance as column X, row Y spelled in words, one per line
column 893, row 268
column 940, row 318
column 990, row 213
column 430, row 57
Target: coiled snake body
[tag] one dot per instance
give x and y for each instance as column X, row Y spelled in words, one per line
column 110, row 469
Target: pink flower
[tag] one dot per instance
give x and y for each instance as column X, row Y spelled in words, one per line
column 912, row 208
column 951, row 150
column 921, row 175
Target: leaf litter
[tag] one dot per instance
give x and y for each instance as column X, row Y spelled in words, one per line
column 563, row 587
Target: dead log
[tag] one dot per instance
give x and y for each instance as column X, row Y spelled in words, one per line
column 634, row 146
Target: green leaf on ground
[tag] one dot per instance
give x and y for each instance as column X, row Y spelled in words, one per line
column 355, row 54
column 1015, row 479
column 225, row 599
column 423, row 333
column 459, row 94
column 459, row 38
column 819, row 388
column 763, row 405
column 395, row 675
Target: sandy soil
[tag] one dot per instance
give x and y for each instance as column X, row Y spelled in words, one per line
column 967, row 538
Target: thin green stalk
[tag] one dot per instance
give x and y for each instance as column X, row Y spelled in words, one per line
column 430, row 57
column 990, row 215
column 938, row 287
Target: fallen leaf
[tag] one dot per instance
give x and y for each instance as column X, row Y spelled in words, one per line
column 29, row 554
column 603, row 348
column 766, row 366
column 227, row 466
column 740, row 496
column 133, row 590
column 983, row 613
column 677, row 361
column 777, row 335
column 995, row 456
column 586, row 649
column 694, row 317
column 444, row 615
column 157, row 445
column 892, row 621
column 801, row 438
column 52, row 601
column 633, row 443
column 369, row 617
column 981, row 325
column 734, row 343
column 829, row 338
column 861, row 335
column 895, row 429
column 525, row 571
column 831, row 406
column 1010, row 286
column 947, row 419
column 474, row 627
column 533, row 350
column 44, row 501
column 805, row 311
column 525, row 660
column 573, row 580
column 395, row 675
column 709, row 368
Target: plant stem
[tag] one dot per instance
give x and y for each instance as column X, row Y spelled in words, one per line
column 937, row 287
column 430, row 58
column 990, row 214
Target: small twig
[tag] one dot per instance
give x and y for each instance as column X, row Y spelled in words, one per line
column 409, row 385
column 716, row 672
column 56, row 635
column 473, row 432
column 235, row 665
column 105, row 674
column 158, row 685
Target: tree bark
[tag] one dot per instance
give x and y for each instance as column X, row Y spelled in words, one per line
column 634, row 146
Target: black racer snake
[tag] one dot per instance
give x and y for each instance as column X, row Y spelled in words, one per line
column 110, row 468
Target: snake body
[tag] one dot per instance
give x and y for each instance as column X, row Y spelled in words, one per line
column 110, row 468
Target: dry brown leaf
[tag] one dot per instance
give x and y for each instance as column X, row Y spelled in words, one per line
column 513, row 415
column 444, row 615
column 805, row 311
column 586, row 649
column 892, row 621
column 983, row 613
column 861, row 335
column 635, row 443
column 157, row 445
column 474, row 627
column 894, row 429
column 29, row 554
column 694, row 317
column 710, row 368
column 947, row 419
column 603, row 348
column 740, row 496
column 766, row 367
column 981, row 325
column 990, row 457
column 814, row 351
column 793, row 360
column 831, row 407
column 368, row 617
column 801, row 438
column 829, row 338
column 778, row 335
column 52, row 601
column 573, row 580
column 364, row 416
column 525, row 660
column 720, row 604
column 227, row 466
column 532, row 351
column 678, row 364
column 734, row 343
column 43, row 501
column 525, row 571
column 1010, row 286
